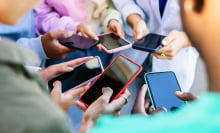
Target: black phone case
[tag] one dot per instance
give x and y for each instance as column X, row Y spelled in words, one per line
column 152, row 43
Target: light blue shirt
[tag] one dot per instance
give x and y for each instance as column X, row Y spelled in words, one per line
column 184, row 62
column 24, row 34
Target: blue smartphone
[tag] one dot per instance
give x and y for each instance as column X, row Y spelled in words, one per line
column 161, row 89
column 150, row 43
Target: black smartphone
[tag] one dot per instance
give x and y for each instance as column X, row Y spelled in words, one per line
column 82, row 74
column 113, row 43
column 150, row 43
column 78, row 42
column 161, row 89
column 118, row 75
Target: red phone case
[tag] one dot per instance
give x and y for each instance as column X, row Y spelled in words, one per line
column 125, row 87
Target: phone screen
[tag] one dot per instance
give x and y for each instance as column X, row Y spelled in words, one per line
column 162, row 87
column 150, row 42
column 116, row 76
column 111, row 41
column 79, row 75
column 78, row 42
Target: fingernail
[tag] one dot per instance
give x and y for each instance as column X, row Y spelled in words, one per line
column 69, row 68
column 138, row 36
column 164, row 42
column 179, row 92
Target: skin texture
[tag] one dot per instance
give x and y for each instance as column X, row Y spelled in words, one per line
column 203, row 30
column 11, row 11
column 52, row 47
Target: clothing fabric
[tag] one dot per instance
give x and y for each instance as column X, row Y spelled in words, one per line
column 24, row 34
column 198, row 117
column 26, row 106
column 184, row 63
column 66, row 15
column 162, row 4
column 23, row 29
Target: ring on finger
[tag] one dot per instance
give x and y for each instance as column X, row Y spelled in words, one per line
column 162, row 54
column 125, row 98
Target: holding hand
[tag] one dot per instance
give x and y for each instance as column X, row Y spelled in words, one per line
column 172, row 44
column 186, row 96
column 142, row 106
column 116, row 27
column 51, row 45
column 65, row 101
column 55, row 70
column 102, row 106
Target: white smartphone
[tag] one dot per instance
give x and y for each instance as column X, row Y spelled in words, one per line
column 81, row 75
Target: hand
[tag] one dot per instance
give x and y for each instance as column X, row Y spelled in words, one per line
column 142, row 106
column 85, row 30
column 115, row 103
column 65, row 101
column 100, row 106
column 52, row 47
column 116, row 27
column 138, row 25
column 140, row 30
column 172, row 45
column 55, row 70
column 186, row 96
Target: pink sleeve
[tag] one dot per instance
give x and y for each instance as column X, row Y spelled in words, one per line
column 47, row 19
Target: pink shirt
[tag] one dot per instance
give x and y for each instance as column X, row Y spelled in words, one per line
column 60, row 15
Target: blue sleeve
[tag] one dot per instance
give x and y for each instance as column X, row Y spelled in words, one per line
column 33, row 44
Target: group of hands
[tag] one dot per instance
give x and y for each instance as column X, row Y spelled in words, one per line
column 174, row 41
column 101, row 105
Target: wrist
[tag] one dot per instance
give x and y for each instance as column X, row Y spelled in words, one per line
column 134, row 19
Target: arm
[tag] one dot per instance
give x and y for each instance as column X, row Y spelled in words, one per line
column 134, row 17
column 47, row 19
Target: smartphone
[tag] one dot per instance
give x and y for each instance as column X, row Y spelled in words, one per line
column 150, row 43
column 78, row 42
column 82, row 74
column 118, row 76
column 113, row 43
column 161, row 89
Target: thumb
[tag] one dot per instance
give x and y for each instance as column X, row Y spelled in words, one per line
column 76, row 92
column 56, row 92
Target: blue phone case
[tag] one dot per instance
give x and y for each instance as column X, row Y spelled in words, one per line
column 161, row 89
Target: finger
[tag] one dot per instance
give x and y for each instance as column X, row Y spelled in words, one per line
column 119, row 30
column 81, row 106
column 97, row 107
column 157, row 110
column 60, row 34
column 56, row 92
column 78, row 61
column 147, row 104
column 185, row 96
column 116, row 105
column 138, row 107
column 76, row 92
column 90, row 34
column 169, row 38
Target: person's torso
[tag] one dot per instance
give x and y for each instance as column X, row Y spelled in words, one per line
column 170, row 20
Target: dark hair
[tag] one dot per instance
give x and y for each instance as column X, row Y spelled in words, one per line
column 199, row 5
